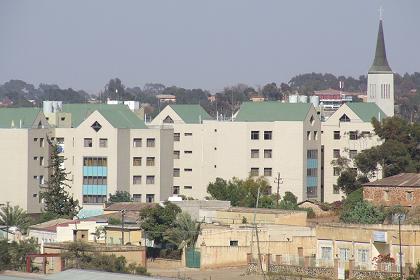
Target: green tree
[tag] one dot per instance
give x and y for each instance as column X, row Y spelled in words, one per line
column 349, row 181
column 57, row 200
column 227, row 190
column 13, row 255
column 184, row 231
column 14, row 216
column 156, row 220
column 289, row 201
column 120, row 196
column 363, row 213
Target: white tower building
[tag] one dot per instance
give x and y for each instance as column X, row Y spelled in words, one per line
column 380, row 88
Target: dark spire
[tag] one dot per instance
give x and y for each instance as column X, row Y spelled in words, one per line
column 380, row 64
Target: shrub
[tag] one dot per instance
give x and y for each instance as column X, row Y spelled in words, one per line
column 142, row 271
column 310, row 212
column 363, row 213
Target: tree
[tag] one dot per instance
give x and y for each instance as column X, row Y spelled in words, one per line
column 184, row 231
column 349, row 180
column 57, row 200
column 289, row 201
column 13, row 255
column 120, row 196
column 227, row 190
column 363, row 213
column 156, row 220
column 14, row 216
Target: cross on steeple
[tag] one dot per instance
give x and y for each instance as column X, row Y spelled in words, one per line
column 381, row 13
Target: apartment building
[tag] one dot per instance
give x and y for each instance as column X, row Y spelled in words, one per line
column 265, row 138
column 23, row 156
column 345, row 134
column 108, row 149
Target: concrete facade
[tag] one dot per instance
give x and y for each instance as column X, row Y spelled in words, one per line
column 210, row 149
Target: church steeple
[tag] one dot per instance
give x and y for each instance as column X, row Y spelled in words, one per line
column 380, row 63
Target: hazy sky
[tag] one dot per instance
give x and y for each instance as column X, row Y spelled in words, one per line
column 199, row 44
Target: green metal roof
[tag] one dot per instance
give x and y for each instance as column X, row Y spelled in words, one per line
column 17, row 116
column 366, row 110
column 380, row 63
column 191, row 113
column 272, row 111
column 119, row 115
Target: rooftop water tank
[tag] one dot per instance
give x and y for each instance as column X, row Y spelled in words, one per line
column 293, row 98
column 314, row 100
column 303, row 99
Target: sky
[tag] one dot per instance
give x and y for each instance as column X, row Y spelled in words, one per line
column 200, row 44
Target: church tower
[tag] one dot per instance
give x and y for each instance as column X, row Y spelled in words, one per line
column 380, row 87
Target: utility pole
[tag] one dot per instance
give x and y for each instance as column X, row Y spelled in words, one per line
column 399, row 233
column 279, row 181
column 122, row 226
column 256, row 234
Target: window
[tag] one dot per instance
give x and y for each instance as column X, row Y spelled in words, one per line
column 150, row 198
column 176, row 172
column 344, row 118
column 136, row 180
column 326, row 253
column 363, row 255
column 150, row 142
column 234, row 243
column 312, row 172
column 353, row 135
column 175, row 190
column 41, row 161
column 315, row 135
column 136, row 197
column 60, row 140
column 365, row 134
column 137, row 142
column 96, row 126
column 176, row 154
column 255, row 172
column 409, row 196
column 268, row 153
column 187, row 134
column 268, row 172
column 336, row 189
column 255, row 153
column 308, row 135
column 352, row 154
column 136, row 161
column 168, row 119
column 386, row 195
column 41, row 142
column 187, row 169
column 311, row 191
column 63, row 118
column 344, row 254
column 177, row 137
column 187, row 152
column 336, row 171
column 188, row 187
column 268, row 135
column 336, row 153
column 41, row 180
column 87, row 142
column 94, row 161
column 312, row 154
column 35, row 139
column 255, row 135
column 337, row 135
column 312, row 120
column 150, row 180
column 150, row 161
column 103, row 142
column 35, row 158
column 94, row 199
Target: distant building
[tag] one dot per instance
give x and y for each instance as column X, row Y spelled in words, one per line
column 402, row 189
column 332, row 99
column 211, row 98
column 257, row 98
column 169, row 98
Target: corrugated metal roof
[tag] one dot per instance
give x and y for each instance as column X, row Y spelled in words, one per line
column 118, row 115
column 128, row 206
column 366, row 110
column 191, row 113
column 272, row 111
column 400, row 180
column 14, row 117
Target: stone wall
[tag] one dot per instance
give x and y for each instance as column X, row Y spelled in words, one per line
column 396, row 196
column 368, row 275
column 311, row 272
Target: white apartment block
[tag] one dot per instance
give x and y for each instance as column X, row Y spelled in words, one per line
column 23, row 156
column 107, row 148
column 266, row 138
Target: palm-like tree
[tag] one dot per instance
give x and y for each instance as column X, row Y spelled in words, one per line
column 14, row 216
column 184, row 232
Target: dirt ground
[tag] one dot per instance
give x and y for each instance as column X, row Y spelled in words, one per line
column 196, row 274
